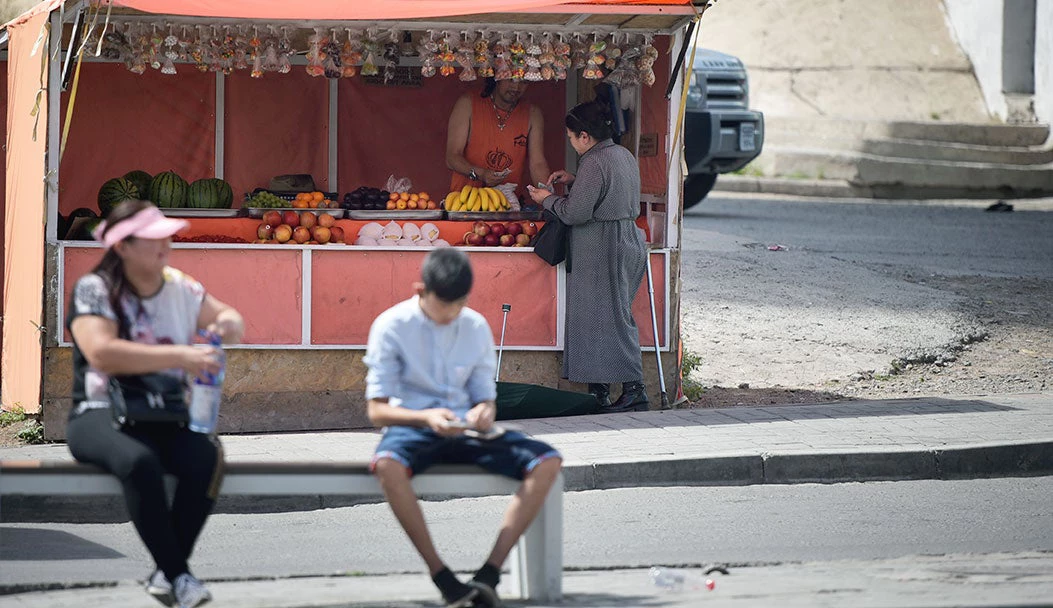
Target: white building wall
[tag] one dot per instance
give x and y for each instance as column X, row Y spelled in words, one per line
column 1044, row 61
column 978, row 27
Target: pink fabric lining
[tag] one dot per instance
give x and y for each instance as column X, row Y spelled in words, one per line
column 149, row 223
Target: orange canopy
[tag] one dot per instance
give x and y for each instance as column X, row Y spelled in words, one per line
column 384, row 9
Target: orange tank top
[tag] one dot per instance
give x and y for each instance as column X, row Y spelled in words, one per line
column 492, row 147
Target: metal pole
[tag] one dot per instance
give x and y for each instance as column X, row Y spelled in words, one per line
column 504, row 321
column 654, row 329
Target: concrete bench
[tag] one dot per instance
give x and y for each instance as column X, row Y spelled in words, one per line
column 536, row 564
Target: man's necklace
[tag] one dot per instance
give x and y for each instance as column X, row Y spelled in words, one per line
column 501, row 120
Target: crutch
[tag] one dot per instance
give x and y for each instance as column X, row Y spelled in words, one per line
column 654, row 329
column 500, row 351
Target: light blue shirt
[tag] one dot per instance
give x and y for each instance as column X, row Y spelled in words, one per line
column 419, row 364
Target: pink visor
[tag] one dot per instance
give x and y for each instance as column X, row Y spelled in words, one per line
column 149, row 223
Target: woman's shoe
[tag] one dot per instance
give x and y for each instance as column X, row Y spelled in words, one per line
column 602, row 392
column 633, row 399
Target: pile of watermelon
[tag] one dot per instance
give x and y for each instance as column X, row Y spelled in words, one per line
column 166, row 190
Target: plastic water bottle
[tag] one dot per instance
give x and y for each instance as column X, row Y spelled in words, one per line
column 205, row 395
column 673, row 579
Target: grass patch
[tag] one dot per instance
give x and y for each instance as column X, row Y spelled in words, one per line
column 693, row 390
column 749, row 170
column 31, row 431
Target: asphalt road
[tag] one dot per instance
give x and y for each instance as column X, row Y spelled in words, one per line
column 603, row 529
column 845, row 290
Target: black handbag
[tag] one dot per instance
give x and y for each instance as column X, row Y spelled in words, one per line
column 148, row 398
column 551, row 242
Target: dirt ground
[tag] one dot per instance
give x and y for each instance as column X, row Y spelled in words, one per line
column 1007, row 349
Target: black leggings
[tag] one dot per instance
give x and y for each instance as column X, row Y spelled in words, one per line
column 140, row 457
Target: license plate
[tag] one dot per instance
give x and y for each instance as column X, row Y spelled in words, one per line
column 747, row 137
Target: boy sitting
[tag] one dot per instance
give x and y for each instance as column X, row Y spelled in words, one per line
column 431, row 374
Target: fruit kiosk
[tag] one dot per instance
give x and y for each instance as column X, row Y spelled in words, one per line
column 305, row 145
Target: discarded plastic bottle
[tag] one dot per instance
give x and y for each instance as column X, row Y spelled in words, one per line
column 205, row 395
column 674, row 580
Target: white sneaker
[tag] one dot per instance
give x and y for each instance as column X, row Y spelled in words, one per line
column 159, row 587
column 190, row 592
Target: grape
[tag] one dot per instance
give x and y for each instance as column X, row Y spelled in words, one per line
column 266, row 200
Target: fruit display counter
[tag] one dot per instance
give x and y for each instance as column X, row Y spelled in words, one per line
column 326, row 296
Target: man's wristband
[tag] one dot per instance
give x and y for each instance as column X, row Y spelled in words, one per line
column 472, row 175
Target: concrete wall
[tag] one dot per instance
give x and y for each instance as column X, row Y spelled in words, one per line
column 1044, row 61
column 978, row 27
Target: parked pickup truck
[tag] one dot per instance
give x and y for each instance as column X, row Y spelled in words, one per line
column 721, row 133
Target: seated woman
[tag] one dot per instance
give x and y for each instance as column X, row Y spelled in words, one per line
column 133, row 315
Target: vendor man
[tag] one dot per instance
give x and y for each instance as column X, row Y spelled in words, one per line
column 496, row 138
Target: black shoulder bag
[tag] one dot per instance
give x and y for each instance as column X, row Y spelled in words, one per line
column 552, row 242
column 147, row 398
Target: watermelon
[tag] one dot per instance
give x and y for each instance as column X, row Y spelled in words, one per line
column 210, row 193
column 168, row 190
column 114, row 191
column 141, row 179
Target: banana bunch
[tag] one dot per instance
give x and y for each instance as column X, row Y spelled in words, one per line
column 472, row 198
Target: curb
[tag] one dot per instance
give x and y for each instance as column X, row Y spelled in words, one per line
column 966, row 462
column 835, row 188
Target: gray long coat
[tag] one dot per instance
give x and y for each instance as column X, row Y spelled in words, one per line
column 607, row 255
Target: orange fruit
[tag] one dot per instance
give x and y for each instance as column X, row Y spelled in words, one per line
column 391, row 205
column 414, row 197
column 299, row 203
column 411, row 204
column 423, row 195
column 393, row 196
column 401, row 204
column 404, row 196
column 317, row 196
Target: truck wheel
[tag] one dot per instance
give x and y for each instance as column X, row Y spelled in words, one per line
column 696, row 187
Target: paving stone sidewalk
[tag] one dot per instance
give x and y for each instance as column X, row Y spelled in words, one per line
column 918, row 438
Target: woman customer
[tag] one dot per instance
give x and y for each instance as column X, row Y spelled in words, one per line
column 602, row 343
column 130, row 316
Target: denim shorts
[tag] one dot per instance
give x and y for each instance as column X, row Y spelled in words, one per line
column 512, row 454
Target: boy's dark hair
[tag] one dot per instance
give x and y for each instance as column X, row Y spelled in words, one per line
column 447, row 273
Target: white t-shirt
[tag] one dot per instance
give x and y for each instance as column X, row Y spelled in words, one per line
column 168, row 317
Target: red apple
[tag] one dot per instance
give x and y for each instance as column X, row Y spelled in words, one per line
column 466, row 237
column 514, row 228
column 522, row 240
column 499, row 230
column 481, row 228
column 264, row 231
column 336, row 234
column 529, row 228
column 291, row 218
column 272, row 217
column 283, row 233
column 473, row 239
column 301, row 234
column 490, row 240
column 308, row 219
column 321, row 234
column 506, row 240
column 326, row 220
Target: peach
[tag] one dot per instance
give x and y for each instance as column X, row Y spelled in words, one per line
column 301, row 234
column 308, row 219
column 321, row 234
column 291, row 218
column 283, row 233
column 264, row 231
column 325, row 220
column 522, row 240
